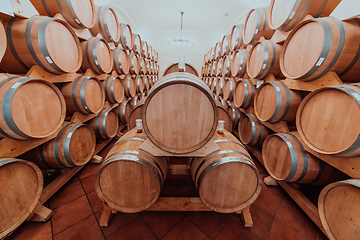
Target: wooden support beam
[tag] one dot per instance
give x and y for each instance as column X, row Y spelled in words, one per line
column 106, row 216
column 37, row 72
column 270, row 181
column 81, row 118
column 246, row 218
column 179, row 169
column 96, row 159
column 40, row 214
column 179, row 204
column 280, row 127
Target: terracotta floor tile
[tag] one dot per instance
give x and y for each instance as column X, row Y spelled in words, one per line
column 66, row 194
column 95, row 202
column 211, row 223
column 185, row 230
column 268, row 199
column 70, row 213
column 88, row 170
column 88, row 183
column 161, row 222
column 33, row 231
column 74, row 179
column 234, row 230
column 118, row 221
column 86, row 229
column 135, row 230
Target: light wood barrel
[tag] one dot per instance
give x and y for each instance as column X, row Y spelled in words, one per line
column 143, row 65
column 120, row 61
column 339, row 211
column 264, row 59
column 114, row 89
column 235, row 115
column 21, row 187
column 150, row 52
column 217, row 50
column 327, row 120
column 244, row 93
column 79, row 14
column 130, row 179
column 134, row 101
column 47, row 42
column 225, row 45
column 212, row 53
column 237, row 37
column 105, row 124
column 218, row 67
column 322, row 45
column 284, row 15
column 194, row 122
column 146, row 83
column 136, row 113
column 226, row 66
column 107, row 24
column 123, row 111
column 31, row 108
column 125, row 39
column 129, row 86
column 224, row 115
column 136, row 40
column 213, row 84
column 256, row 25
column 144, row 47
column 73, row 146
column 134, row 64
column 275, row 102
column 220, row 86
column 139, row 84
column 251, row 131
column 96, row 56
column 3, row 41
column 239, row 62
column 229, row 89
column 227, row 179
column 285, row 159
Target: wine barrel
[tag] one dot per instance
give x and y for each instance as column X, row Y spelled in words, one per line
column 150, row 52
column 134, row 64
column 225, row 45
column 220, row 86
column 48, row 42
column 217, row 50
column 188, row 125
column 3, row 41
column 125, row 39
column 285, row 159
column 256, row 25
column 96, row 56
column 106, row 24
column 285, row 15
column 73, row 146
column 218, row 67
column 156, row 58
column 134, row 101
column 322, row 45
column 114, row 89
column 136, row 40
column 146, row 83
column 264, row 59
column 143, row 66
column 129, row 87
column 244, row 93
column 339, row 211
column 224, row 115
column 123, row 111
column 275, row 102
column 227, row 179
column 327, row 120
column 229, row 89
column 237, row 37
column 130, row 179
column 105, row 124
column 144, row 47
column 239, row 62
column 226, row 66
column 213, row 84
column 251, row 131
column 21, row 187
column 235, row 115
column 139, row 84
column 31, row 108
column 120, row 61
column 136, row 113
column 79, row 14
column 85, row 95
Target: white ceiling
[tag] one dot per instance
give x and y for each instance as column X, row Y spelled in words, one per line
column 205, row 22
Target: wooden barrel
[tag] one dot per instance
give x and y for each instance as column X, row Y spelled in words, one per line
column 114, row 89
column 129, row 86
column 264, row 59
column 150, row 52
column 146, row 83
column 327, row 120
column 220, row 86
column 227, row 179
column 73, row 146
column 120, row 61
column 217, row 50
column 134, row 101
column 123, row 111
column 143, row 65
column 213, row 84
column 134, row 64
column 136, row 40
column 130, row 179
column 21, row 187
column 239, row 62
column 144, row 51
column 251, row 131
column 229, row 89
column 226, row 66
column 79, row 14
column 285, row 15
column 275, row 102
column 256, row 25
column 96, row 56
column 339, row 212
column 156, row 58
column 139, row 84
column 285, row 159
column 235, row 115
column 107, row 24
column 212, row 53
column 125, row 39
column 237, row 37
column 191, row 125
column 47, row 42
column 105, row 124
column 136, row 113
column 31, row 108
column 322, row 45
column 225, row 45
column 224, row 115
column 218, row 67
column 244, row 93
column 3, row 41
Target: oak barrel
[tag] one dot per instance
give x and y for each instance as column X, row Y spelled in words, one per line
column 256, row 25
column 31, row 108
column 21, row 188
column 134, row 64
column 136, row 113
column 223, row 114
column 105, row 124
column 3, row 41
column 106, row 24
column 120, row 61
column 218, row 67
column 239, row 62
column 235, row 115
column 139, row 84
column 229, row 89
column 226, row 66
column 114, row 89
column 125, row 36
column 217, row 50
column 275, row 102
column 130, row 179
column 225, row 45
column 144, row 51
column 220, row 86
column 134, row 101
column 180, row 114
column 227, row 179
column 48, row 42
column 339, row 211
column 317, row 46
column 96, row 56
column 123, row 111
column 251, row 131
column 237, row 37
column 244, row 93
column 129, row 86
column 136, row 40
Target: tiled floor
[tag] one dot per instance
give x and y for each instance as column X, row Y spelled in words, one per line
column 77, row 211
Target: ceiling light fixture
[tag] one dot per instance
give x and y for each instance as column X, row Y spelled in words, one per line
column 181, row 42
